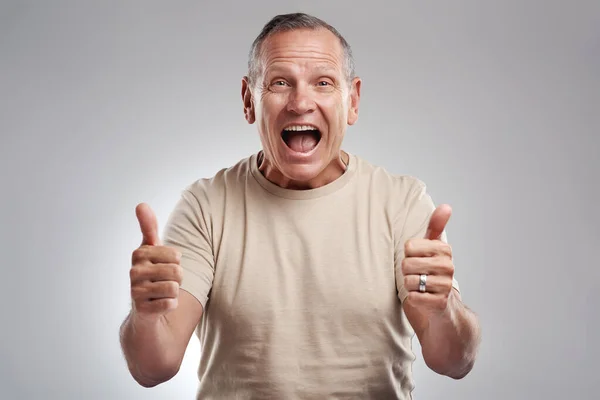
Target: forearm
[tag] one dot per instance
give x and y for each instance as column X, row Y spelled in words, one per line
column 147, row 346
column 451, row 340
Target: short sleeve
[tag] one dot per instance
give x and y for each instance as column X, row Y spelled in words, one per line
column 187, row 231
column 411, row 222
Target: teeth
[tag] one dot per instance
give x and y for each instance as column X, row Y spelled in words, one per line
column 300, row 128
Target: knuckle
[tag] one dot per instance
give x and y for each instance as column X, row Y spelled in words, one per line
column 137, row 256
column 405, row 265
column 173, row 289
column 441, row 302
column 449, row 267
column 138, row 292
column 174, row 271
column 174, row 255
column 135, row 273
column 179, row 274
column 446, row 249
column 447, row 286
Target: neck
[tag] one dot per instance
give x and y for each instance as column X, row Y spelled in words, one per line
column 333, row 171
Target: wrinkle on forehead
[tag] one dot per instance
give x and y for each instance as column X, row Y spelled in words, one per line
column 303, row 47
column 314, row 64
column 313, row 53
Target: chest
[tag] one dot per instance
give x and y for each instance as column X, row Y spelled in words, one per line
column 281, row 262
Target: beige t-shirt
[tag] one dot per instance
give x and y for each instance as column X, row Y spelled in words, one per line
column 301, row 289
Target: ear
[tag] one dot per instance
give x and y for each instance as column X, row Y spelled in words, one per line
column 354, row 100
column 247, row 101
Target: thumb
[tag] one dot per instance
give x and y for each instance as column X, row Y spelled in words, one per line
column 148, row 225
column 438, row 221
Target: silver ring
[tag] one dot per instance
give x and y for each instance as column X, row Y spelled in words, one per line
column 423, row 283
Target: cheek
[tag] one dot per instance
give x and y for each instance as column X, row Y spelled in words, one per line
column 336, row 108
column 336, row 115
column 271, row 107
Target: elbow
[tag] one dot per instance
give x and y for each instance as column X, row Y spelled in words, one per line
column 155, row 379
column 456, row 370
column 461, row 373
column 146, row 383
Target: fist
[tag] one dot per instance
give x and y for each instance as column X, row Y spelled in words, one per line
column 155, row 273
column 427, row 267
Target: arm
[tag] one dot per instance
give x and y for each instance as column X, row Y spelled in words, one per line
column 163, row 315
column 449, row 339
column 448, row 331
column 154, row 347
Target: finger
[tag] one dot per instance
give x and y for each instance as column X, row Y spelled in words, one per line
column 156, row 273
column 441, row 266
column 155, row 290
column 433, row 283
column 156, row 307
column 432, row 301
column 426, row 248
column 155, row 255
column 148, row 225
column 438, row 221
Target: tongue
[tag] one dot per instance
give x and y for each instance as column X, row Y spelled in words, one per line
column 302, row 142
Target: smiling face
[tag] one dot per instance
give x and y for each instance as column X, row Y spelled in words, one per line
column 302, row 104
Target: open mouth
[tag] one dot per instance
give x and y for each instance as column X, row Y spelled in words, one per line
column 301, row 139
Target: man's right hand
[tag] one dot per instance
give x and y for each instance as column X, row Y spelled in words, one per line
column 155, row 273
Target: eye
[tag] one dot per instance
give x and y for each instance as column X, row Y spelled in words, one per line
column 279, row 83
column 324, row 83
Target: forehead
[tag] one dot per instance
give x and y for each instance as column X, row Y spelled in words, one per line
column 307, row 47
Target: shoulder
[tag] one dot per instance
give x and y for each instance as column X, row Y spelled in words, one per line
column 225, row 179
column 202, row 199
column 403, row 188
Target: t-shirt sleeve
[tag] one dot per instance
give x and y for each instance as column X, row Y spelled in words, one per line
column 411, row 222
column 187, row 230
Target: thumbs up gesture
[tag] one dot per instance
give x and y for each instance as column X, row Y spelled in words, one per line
column 427, row 266
column 155, row 273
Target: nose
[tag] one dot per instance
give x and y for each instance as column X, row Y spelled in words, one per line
column 300, row 101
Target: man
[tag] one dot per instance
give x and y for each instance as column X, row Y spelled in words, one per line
column 304, row 269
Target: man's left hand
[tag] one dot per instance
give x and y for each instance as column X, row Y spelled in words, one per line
column 429, row 259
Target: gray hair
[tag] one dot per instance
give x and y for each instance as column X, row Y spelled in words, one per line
column 289, row 22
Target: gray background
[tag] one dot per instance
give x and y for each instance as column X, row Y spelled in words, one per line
column 105, row 104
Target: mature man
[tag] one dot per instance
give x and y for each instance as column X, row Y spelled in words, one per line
column 304, row 269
